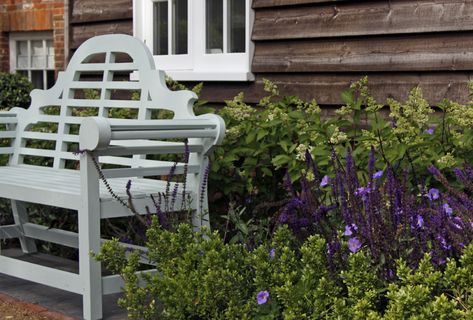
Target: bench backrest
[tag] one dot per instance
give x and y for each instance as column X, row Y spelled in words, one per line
column 96, row 83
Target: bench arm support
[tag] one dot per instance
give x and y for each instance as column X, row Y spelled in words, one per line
column 96, row 133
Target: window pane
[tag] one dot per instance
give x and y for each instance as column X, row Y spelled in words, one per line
column 22, row 54
column 161, row 27
column 38, row 56
column 24, row 73
column 37, row 79
column 214, row 26
column 50, row 78
column 236, row 24
column 50, row 57
column 180, row 27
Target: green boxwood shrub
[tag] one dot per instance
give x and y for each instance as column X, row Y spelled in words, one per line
column 14, row 91
column 201, row 277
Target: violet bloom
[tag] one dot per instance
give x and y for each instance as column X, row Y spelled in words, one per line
column 443, row 243
column 349, row 229
column 354, row 244
column 272, row 253
column 433, row 170
column 325, row 181
column 448, row 210
column 433, row 194
column 378, row 174
column 429, row 131
column 458, row 223
column 262, row 297
column 362, row 191
column 420, row 221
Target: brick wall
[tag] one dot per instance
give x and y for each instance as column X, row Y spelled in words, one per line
column 4, row 54
column 32, row 15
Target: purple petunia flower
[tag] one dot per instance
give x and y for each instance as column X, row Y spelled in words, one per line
column 448, row 210
column 429, row 131
column 433, row 194
column 325, row 181
column 378, row 174
column 262, row 297
column 420, row 221
column 349, row 229
column 354, row 244
column 272, row 253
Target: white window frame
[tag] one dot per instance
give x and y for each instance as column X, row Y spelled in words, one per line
column 28, row 36
column 196, row 65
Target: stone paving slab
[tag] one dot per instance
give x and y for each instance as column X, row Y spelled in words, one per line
column 53, row 299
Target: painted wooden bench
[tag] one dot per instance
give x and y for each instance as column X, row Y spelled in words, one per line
column 123, row 144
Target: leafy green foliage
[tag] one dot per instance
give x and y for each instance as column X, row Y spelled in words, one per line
column 201, row 277
column 265, row 140
column 14, row 91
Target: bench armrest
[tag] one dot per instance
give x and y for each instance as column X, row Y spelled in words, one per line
column 96, row 133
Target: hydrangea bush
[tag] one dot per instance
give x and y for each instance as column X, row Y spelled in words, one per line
column 265, row 140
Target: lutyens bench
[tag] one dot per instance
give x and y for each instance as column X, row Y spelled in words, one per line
column 108, row 76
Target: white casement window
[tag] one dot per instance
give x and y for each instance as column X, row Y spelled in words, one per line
column 201, row 40
column 32, row 54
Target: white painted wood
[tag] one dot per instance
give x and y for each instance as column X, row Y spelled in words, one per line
column 20, row 215
column 151, row 171
column 58, row 236
column 90, row 271
column 9, row 232
column 62, row 237
column 6, row 150
column 114, row 283
column 44, row 275
column 111, row 141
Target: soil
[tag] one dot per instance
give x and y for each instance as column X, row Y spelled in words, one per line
column 13, row 309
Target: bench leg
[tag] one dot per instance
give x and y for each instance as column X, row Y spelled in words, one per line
column 198, row 182
column 89, row 240
column 20, row 215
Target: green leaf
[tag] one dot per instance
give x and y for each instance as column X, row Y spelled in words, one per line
column 281, row 160
column 267, row 172
column 297, row 114
column 250, row 137
column 284, row 145
column 261, row 134
column 347, row 96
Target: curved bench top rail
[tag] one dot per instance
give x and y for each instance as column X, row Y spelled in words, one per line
column 97, row 83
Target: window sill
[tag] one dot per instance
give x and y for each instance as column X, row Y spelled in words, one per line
column 188, row 75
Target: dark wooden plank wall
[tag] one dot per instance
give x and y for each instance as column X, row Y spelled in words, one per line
column 88, row 18
column 316, row 48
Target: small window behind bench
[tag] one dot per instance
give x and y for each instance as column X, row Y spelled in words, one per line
column 32, row 55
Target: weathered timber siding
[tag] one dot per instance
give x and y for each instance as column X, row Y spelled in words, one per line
column 88, row 18
column 316, row 48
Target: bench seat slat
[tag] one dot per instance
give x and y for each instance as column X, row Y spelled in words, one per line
column 160, row 169
column 47, row 153
column 49, row 136
column 62, row 187
column 117, row 150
